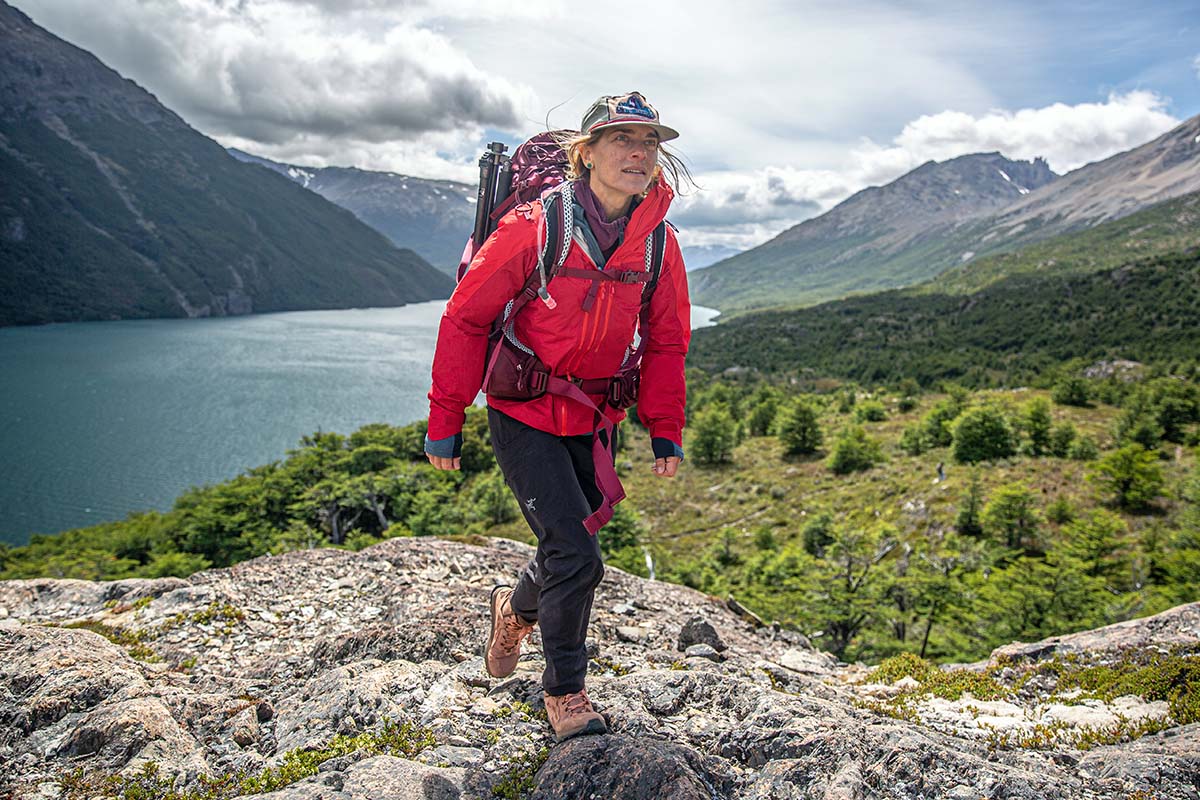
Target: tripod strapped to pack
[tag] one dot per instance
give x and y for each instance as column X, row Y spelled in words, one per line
column 537, row 170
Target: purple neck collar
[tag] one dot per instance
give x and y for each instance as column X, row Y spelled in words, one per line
column 607, row 233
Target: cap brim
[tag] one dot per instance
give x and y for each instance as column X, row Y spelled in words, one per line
column 665, row 134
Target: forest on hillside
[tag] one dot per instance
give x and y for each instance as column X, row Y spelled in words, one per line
column 875, row 520
column 1016, row 331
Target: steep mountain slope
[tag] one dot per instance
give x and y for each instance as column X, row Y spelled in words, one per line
column 877, row 239
column 432, row 218
column 112, row 207
column 1128, row 288
column 1172, row 226
column 1166, row 167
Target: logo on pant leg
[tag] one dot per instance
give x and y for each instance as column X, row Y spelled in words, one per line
column 529, row 504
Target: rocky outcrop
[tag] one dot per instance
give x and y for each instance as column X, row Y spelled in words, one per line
column 369, row 661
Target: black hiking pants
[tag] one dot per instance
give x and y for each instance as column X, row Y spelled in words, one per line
column 555, row 484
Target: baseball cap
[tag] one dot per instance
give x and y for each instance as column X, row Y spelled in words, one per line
column 625, row 109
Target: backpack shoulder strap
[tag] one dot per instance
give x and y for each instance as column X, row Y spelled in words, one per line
column 557, row 217
column 658, row 249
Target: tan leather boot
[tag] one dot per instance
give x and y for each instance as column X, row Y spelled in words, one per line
column 503, row 648
column 572, row 715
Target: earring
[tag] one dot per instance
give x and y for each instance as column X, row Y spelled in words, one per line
column 588, row 165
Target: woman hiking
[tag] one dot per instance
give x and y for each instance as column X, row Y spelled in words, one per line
column 556, row 450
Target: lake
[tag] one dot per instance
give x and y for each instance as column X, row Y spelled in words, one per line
column 100, row 419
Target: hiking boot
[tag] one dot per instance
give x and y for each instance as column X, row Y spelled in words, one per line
column 572, row 715
column 503, row 649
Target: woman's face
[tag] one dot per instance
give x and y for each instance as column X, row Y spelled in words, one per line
column 623, row 162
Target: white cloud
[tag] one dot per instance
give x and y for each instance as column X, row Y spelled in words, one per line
column 741, row 209
column 1067, row 136
column 325, row 78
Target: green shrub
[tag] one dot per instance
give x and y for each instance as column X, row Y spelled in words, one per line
column 1062, row 436
column 911, row 441
column 1131, row 476
column 982, row 434
column 817, row 535
column 1072, row 391
column 936, row 425
column 1010, row 517
column 870, row 411
column 714, row 435
column 854, row 451
column 1083, row 449
column 1037, row 423
column 799, row 429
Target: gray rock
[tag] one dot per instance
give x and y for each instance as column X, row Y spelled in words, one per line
column 773, row 719
column 629, row 633
column 702, row 651
column 813, row 662
column 452, row 756
column 391, row 778
column 631, row 769
column 698, row 630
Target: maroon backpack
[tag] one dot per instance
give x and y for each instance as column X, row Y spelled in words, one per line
column 535, row 167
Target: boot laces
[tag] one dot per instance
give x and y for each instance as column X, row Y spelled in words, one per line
column 513, row 629
column 577, row 703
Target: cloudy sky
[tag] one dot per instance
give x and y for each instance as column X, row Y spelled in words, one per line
column 786, row 107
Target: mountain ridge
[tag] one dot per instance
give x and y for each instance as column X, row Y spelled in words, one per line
column 113, row 207
column 431, row 217
column 836, row 253
column 805, row 264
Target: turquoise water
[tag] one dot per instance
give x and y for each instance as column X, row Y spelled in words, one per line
column 100, row 419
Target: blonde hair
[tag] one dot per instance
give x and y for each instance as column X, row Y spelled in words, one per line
column 670, row 166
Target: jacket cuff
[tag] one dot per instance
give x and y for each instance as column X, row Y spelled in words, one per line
column 450, row 447
column 666, row 429
column 665, row 448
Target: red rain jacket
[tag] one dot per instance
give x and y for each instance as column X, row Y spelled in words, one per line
column 572, row 342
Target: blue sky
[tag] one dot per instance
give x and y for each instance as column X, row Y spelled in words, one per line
column 786, row 108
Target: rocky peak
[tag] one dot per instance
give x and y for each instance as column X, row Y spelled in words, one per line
column 42, row 74
column 1158, row 170
column 358, row 674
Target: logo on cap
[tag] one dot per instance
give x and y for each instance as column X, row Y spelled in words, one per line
column 635, row 106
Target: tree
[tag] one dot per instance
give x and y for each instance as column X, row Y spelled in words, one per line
column 764, row 408
column 1062, row 436
column 870, row 411
column 1095, row 540
column 714, row 435
column 1009, row 517
column 490, row 501
column 799, row 430
column 1071, row 391
column 854, row 451
column 817, row 535
column 621, row 541
column 982, row 434
column 1131, row 476
column 1037, row 426
column 846, row 591
column 936, row 424
column 967, row 523
column 1032, row 598
column 911, row 441
column 1083, row 449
